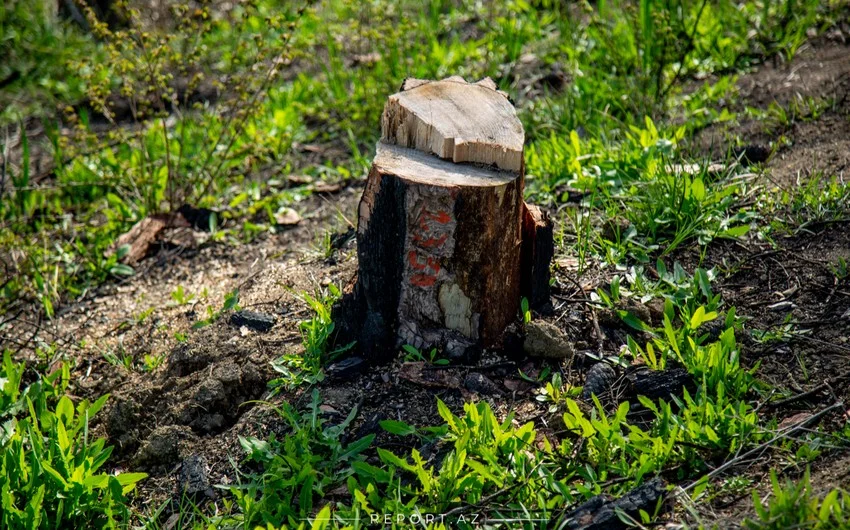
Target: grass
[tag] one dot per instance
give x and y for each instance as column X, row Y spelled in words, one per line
column 50, row 470
column 129, row 142
column 795, row 505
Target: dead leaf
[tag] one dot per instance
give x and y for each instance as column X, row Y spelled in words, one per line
column 299, row 180
column 420, row 373
column 793, row 420
column 567, row 264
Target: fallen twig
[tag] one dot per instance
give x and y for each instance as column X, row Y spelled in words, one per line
column 820, row 388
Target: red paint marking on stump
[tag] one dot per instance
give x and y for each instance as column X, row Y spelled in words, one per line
column 423, row 280
column 431, row 241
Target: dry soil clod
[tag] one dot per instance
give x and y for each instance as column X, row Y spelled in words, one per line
column 543, row 339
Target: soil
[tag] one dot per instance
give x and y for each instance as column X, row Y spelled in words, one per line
column 212, row 387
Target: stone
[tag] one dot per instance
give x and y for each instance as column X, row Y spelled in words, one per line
column 543, row 339
column 481, row 384
column 346, row 368
column 253, row 320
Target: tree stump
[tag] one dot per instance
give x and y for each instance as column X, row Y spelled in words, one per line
column 439, row 225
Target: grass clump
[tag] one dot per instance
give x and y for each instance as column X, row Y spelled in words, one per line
column 795, row 505
column 298, row 469
column 50, row 472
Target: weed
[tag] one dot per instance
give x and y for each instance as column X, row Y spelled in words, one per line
column 231, row 303
column 840, row 269
column 306, row 367
column 180, row 296
column 795, row 506
column 556, row 393
column 298, row 469
column 50, row 475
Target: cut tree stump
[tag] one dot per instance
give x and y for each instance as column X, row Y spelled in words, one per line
column 440, row 222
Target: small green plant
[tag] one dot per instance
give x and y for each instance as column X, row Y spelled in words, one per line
column 487, row 456
column 306, row 366
column 180, row 296
column 152, row 361
column 556, row 393
column 413, row 354
column 119, row 357
column 524, row 309
column 840, row 269
column 542, row 376
column 231, row 303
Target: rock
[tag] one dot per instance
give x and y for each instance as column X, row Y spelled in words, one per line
column 481, row 384
column 253, row 320
column 194, row 481
column 543, row 339
column 599, row 379
column 346, row 368
column 162, row 446
column 287, row 217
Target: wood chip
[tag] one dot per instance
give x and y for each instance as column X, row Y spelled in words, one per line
column 299, row 180
column 326, row 187
column 140, row 238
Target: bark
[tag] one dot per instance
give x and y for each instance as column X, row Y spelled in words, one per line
column 601, row 512
column 538, row 248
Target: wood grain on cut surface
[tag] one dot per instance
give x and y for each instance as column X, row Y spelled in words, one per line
column 418, row 167
column 457, row 121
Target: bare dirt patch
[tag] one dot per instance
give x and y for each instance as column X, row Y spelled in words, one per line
column 815, row 82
